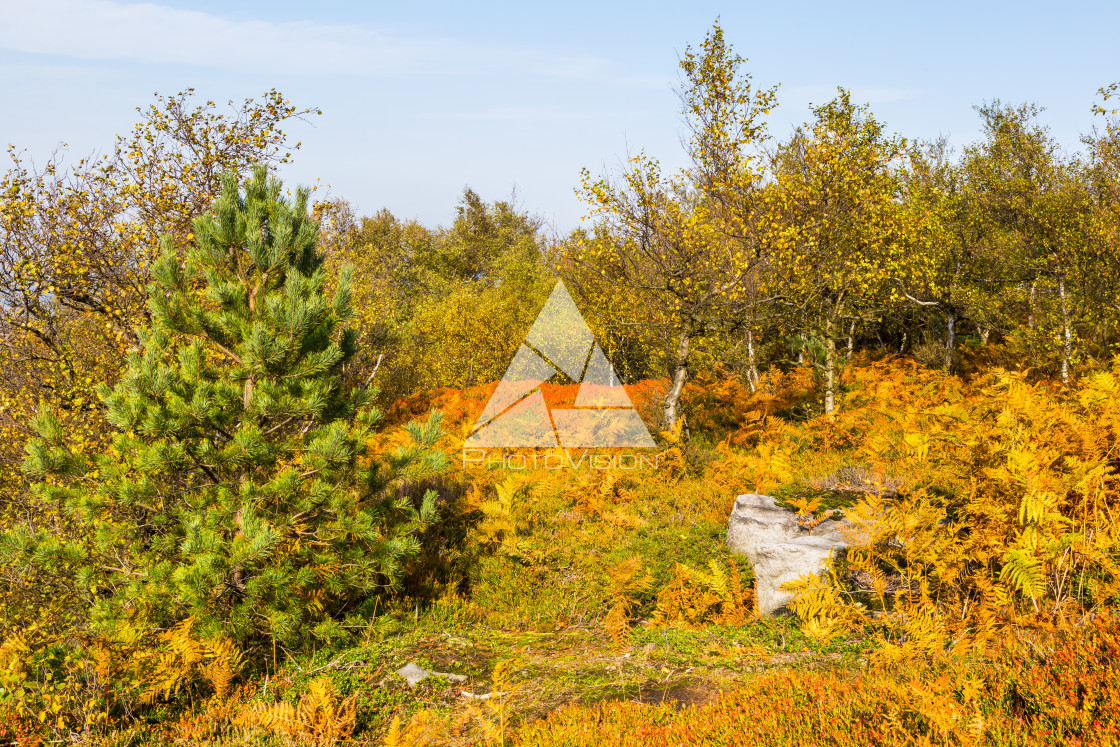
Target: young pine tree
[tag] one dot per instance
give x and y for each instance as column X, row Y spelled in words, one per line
column 238, row 489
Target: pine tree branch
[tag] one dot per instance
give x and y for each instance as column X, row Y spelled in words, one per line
column 303, row 431
column 236, row 359
column 280, row 425
column 125, row 571
column 218, row 429
column 205, row 468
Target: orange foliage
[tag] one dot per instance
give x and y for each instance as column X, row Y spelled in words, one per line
column 692, row 598
column 1069, row 696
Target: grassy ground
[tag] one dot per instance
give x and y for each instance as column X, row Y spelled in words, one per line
column 536, row 595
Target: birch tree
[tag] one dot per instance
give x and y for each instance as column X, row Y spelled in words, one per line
column 838, row 226
column 687, row 247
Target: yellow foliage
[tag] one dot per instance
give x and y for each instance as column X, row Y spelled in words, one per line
column 12, row 656
column 421, row 730
column 493, row 709
column 670, row 461
column 500, row 526
column 182, row 657
column 319, row 716
column 823, row 610
column 693, row 598
column 224, row 662
column 627, row 580
column 1003, row 516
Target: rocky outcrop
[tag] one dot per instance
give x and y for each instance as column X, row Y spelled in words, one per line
column 779, row 548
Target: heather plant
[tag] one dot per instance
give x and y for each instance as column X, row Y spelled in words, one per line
column 1056, row 690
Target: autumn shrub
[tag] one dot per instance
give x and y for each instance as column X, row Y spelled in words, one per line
column 991, row 508
column 1062, row 693
column 1071, row 691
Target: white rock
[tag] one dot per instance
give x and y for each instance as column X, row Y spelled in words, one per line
column 778, row 548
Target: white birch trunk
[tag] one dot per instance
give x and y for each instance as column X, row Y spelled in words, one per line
column 680, row 376
column 1067, row 333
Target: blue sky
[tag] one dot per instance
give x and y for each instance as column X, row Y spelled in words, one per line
column 420, row 100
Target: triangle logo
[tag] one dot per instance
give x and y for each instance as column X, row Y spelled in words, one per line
column 560, row 341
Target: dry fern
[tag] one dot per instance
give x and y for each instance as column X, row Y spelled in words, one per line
column 318, row 717
column 422, row 730
column 182, row 661
column 822, row 607
column 224, row 662
column 626, row 581
column 493, row 710
column 693, row 598
column 175, row 667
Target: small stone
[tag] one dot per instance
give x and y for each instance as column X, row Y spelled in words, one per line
column 414, row 673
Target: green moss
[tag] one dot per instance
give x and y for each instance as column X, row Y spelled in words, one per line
column 831, row 499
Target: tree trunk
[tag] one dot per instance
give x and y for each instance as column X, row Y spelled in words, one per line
column 950, row 340
column 985, row 333
column 247, row 396
column 902, row 346
column 829, row 371
column 753, row 377
column 1067, row 334
column 1030, row 304
column 851, row 337
column 680, row 376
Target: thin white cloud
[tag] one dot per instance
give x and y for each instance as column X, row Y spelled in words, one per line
column 159, row 34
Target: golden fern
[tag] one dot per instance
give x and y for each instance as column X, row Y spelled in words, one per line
column 807, row 511
column 671, row 462
column 822, row 607
column 175, row 666
column 225, row 661
column 626, row 581
column 609, row 486
column 493, row 712
column 693, row 597
column 394, row 737
column 422, row 730
column 499, row 527
column 279, row 718
column 318, row 716
column 590, row 499
column 1025, row 573
column 182, row 660
column 322, row 716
